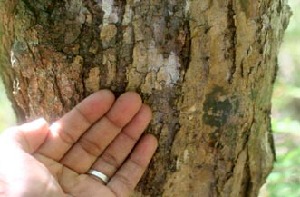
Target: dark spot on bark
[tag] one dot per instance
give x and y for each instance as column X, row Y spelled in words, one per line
column 19, row 47
column 216, row 109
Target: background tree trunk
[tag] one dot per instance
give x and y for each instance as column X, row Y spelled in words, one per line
column 206, row 67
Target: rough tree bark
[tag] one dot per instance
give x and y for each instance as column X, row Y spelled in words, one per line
column 206, row 67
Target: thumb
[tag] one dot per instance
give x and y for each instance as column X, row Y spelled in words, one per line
column 29, row 136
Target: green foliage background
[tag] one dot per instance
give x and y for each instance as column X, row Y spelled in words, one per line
column 7, row 117
column 285, row 178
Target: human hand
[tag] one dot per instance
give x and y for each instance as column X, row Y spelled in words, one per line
column 99, row 134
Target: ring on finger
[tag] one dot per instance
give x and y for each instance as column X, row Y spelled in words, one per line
column 99, row 175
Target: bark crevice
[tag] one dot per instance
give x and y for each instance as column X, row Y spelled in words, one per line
column 232, row 39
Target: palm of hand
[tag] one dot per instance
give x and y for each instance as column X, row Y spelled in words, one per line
column 98, row 134
column 67, row 182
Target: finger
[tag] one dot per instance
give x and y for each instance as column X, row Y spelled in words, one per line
column 28, row 136
column 66, row 131
column 126, row 179
column 84, row 153
column 118, row 150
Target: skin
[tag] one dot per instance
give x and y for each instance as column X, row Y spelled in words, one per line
column 100, row 133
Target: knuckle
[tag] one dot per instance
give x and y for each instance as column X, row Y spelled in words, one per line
column 111, row 160
column 90, row 147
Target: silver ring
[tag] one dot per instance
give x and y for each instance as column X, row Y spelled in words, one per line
column 99, row 175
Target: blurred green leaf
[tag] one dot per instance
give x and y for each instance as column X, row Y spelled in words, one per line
column 7, row 116
column 285, row 178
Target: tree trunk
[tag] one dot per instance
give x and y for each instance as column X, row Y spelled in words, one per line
column 206, row 67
